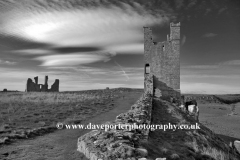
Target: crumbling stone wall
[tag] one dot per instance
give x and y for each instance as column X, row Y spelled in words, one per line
column 35, row 87
column 121, row 143
column 31, row 86
column 163, row 59
column 148, row 84
column 55, row 86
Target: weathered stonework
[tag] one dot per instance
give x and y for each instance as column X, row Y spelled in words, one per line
column 120, row 143
column 162, row 60
column 35, row 87
column 55, row 86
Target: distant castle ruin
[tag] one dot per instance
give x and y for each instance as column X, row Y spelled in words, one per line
column 162, row 63
column 35, row 87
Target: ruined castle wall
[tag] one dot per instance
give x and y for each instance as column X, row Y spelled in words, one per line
column 147, row 51
column 31, row 86
column 175, row 54
column 121, row 143
column 35, row 87
column 44, row 88
column 164, row 61
column 55, row 86
column 148, row 42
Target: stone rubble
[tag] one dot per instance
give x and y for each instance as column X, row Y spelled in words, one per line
column 119, row 143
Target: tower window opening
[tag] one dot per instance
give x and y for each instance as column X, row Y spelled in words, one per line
column 147, row 69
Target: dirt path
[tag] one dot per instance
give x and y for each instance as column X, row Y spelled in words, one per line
column 62, row 144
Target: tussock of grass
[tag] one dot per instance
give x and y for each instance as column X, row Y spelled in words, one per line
column 213, row 152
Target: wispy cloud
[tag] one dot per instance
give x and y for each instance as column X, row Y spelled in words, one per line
column 82, row 26
column 212, row 66
column 7, row 62
column 183, row 40
column 33, row 51
column 122, row 70
column 222, row 10
column 208, row 10
column 200, row 66
column 192, row 3
column 210, row 76
column 209, row 35
column 209, row 88
column 136, row 48
column 73, row 59
column 231, row 63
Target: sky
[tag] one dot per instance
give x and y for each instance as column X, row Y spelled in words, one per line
column 94, row 44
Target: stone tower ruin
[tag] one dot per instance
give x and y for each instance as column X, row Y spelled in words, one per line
column 162, row 62
column 35, row 87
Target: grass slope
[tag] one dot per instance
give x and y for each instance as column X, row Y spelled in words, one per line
column 184, row 144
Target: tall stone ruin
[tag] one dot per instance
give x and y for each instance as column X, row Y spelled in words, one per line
column 45, row 86
column 162, row 62
column 35, row 87
column 55, row 86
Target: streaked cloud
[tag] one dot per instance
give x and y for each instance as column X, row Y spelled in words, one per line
column 209, row 76
column 192, row 3
column 7, row 62
column 222, row 10
column 212, row 66
column 136, row 48
column 209, row 35
column 183, row 41
column 72, row 59
column 200, row 66
column 231, row 63
column 122, row 25
column 33, row 51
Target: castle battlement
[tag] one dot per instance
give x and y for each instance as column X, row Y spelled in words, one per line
column 162, row 61
column 175, row 25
